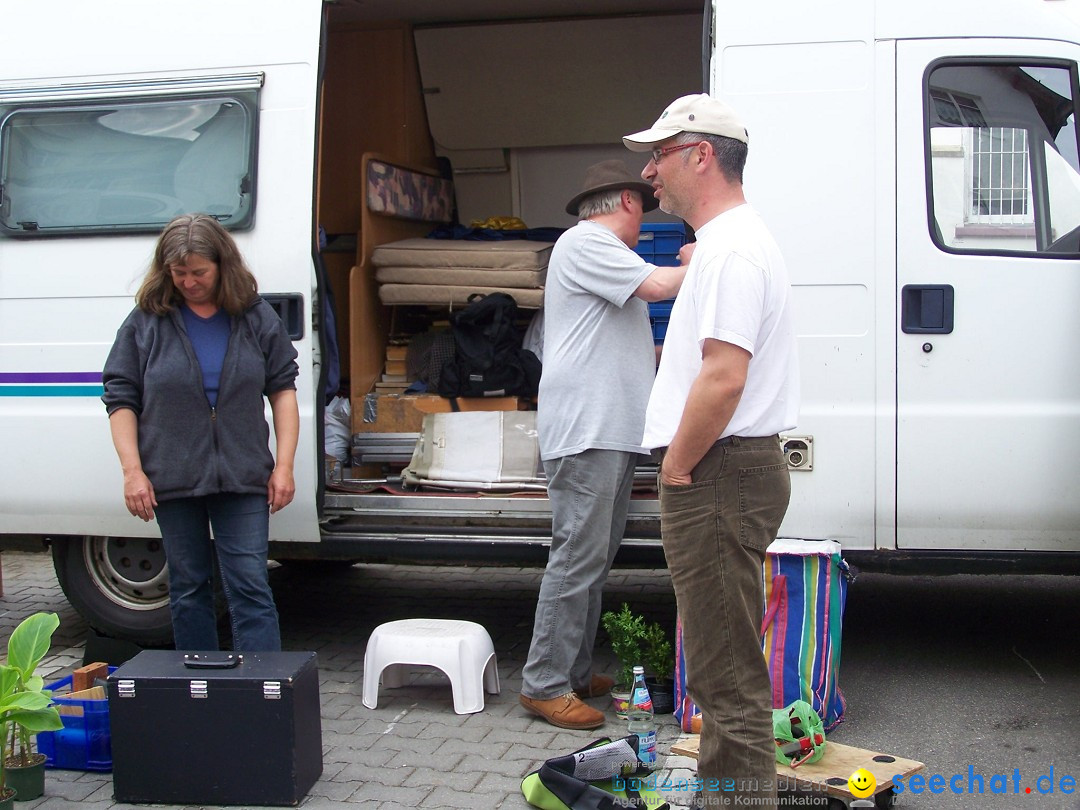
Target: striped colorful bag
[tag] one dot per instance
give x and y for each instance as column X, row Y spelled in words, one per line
column 685, row 708
column 806, row 584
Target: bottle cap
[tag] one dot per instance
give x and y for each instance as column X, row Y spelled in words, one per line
column 639, row 670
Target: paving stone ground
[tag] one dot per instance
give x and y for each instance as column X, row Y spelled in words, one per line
column 412, row 750
column 957, row 672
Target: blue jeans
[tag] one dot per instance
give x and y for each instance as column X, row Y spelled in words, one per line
column 589, row 494
column 241, row 525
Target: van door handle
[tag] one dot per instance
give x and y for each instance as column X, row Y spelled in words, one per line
column 290, row 306
column 926, row 309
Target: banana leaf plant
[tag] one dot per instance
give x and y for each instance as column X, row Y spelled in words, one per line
column 26, row 707
column 14, row 705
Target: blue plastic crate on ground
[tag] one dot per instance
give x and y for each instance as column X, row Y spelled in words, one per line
column 659, row 242
column 84, row 743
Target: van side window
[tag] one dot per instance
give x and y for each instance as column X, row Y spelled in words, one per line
column 1002, row 146
column 126, row 165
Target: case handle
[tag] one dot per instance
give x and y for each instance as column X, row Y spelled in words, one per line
column 196, row 661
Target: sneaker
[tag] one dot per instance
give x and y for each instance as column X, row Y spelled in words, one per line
column 599, row 686
column 565, row 711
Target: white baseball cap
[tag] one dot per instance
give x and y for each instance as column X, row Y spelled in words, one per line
column 696, row 113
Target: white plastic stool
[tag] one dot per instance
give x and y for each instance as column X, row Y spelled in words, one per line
column 462, row 650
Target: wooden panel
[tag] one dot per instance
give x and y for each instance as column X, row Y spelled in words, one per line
column 401, row 413
column 371, row 103
column 369, row 319
column 831, row 772
column 541, row 83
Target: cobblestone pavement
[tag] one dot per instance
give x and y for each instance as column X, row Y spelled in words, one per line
column 958, row 672
column 413, row 750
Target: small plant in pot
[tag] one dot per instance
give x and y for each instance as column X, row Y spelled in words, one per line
column 26, row 706
column 658, row 655
column 626, row 631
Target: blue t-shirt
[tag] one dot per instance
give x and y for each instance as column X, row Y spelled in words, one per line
column 210, row 338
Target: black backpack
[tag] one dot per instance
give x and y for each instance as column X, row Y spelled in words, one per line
column 488, row 359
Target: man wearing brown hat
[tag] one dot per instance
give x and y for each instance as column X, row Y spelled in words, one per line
column 727, row 385
column 599, row 364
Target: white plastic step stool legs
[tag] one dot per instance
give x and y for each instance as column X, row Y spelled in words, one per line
column 462, row 650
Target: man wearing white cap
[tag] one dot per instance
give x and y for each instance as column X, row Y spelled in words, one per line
column 726, row 386
column 599, row 365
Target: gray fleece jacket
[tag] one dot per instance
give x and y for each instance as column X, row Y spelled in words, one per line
column 189, row 449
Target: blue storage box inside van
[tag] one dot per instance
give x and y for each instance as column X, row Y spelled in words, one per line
column 659, row 242
column 659, row 315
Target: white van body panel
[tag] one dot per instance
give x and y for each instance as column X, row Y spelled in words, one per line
column 960, row 441
column 62, row 317
column 812, row 173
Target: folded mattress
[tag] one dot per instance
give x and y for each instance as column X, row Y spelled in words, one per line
column 507, row 254
column 454, row 295
column 460, row 276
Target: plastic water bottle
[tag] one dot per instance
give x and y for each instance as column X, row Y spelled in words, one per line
column 641, row 720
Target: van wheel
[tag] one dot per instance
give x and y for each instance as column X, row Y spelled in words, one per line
column 120, row 585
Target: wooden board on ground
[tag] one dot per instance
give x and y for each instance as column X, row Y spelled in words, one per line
column 831, row 772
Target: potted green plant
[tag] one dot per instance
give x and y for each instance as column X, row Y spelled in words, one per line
column 29, row 710
column 626, row 631
column 658, row 656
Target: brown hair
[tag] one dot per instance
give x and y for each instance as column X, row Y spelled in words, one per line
column 197, row 235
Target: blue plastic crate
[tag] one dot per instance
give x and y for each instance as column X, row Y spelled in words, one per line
column 661, row 309
column 84, row 743
column 659, row 242
column 659, row 314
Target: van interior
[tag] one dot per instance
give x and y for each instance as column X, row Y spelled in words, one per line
column 510, row 102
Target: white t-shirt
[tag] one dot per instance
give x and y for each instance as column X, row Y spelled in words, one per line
column 598, row 358
column 736, row 290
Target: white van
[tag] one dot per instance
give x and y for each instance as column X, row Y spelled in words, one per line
column 916, row 161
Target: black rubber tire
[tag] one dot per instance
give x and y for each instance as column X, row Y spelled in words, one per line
column 118, row 584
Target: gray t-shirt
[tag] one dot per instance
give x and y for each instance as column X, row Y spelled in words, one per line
column 599, row 360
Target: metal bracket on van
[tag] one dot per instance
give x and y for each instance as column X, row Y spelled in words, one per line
column 799, row 452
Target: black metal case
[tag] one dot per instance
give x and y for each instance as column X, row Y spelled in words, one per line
column 215, row 728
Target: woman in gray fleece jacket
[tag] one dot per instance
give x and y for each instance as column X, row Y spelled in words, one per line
column 184, row 387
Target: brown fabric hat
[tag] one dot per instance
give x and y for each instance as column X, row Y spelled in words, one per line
column 609, row 175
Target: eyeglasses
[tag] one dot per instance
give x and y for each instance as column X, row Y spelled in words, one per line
column 667, row 150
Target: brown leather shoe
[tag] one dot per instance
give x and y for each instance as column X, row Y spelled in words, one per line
column 566, row 711
column 599, row 686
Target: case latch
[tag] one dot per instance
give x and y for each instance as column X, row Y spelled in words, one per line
column 197, row 689
column 272, row 690
column 125, row 688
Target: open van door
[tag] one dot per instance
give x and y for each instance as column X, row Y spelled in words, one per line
column 988, row 288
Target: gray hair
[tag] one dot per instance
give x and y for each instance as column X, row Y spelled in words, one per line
column 603, row 202
column 730, row 153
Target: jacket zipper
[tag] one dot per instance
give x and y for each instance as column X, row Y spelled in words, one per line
column 214, row 441
column 194, row 360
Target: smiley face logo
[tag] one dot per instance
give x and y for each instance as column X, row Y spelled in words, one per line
column 862, row 783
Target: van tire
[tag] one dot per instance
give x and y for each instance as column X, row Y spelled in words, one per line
column 120, row 585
